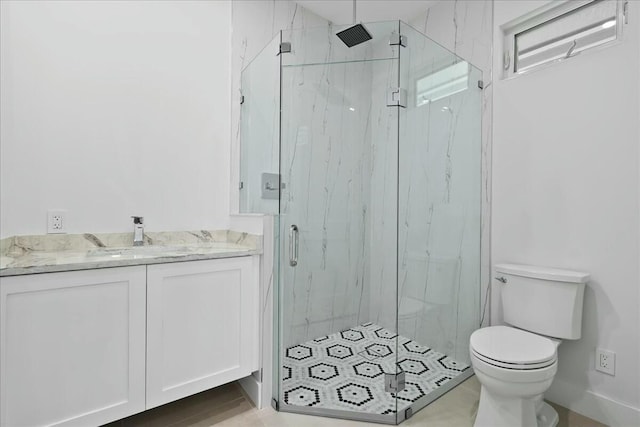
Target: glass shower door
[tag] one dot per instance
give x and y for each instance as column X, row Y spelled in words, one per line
column 338, row 234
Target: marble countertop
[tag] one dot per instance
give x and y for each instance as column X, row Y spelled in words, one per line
column 21, row 255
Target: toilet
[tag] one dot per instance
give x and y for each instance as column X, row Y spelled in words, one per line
column 516, row 363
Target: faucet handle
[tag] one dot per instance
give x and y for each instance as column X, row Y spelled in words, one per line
column 138, row 219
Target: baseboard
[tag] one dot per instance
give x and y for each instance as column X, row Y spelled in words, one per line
column 253, row 389
column 593, row 405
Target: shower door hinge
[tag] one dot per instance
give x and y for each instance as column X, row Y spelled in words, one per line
column 394, row 383
column 241, row 99
column 480, row 84
column 285, row 47
column 397, row 97
column 241, row 185
column 398, row 40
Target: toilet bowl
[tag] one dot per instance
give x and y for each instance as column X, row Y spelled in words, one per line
column 515, row 368
column 516, row 364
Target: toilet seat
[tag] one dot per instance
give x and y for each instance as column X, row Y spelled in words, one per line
column 513, row 366
column 510, row 348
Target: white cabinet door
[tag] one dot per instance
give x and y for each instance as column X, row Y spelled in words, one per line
column 201, row 326
column 72, row 347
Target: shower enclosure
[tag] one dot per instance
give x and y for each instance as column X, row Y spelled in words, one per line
column 369, row 159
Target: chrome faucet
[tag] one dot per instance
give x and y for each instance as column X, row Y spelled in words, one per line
column 138, row 231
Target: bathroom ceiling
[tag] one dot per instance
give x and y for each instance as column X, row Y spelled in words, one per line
column 340, row 11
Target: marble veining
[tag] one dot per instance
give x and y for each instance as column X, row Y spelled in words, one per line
column 67, row 252
column 340, row 163
column 327, row 155
column 254, row 23
column 466, row 28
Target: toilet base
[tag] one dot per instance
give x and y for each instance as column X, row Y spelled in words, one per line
column 506, row 411
column 547, row 416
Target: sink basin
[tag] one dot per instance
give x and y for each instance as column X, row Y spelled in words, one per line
column 136, row 251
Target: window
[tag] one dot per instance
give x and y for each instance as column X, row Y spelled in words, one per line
column 560, row 31
column 442, row 83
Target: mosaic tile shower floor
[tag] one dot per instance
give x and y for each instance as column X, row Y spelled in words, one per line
column 345, row 371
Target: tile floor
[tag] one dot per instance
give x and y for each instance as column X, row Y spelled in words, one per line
column 346, row 371
column 226, row 406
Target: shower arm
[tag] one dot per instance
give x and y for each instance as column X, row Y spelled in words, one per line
column 354, row 11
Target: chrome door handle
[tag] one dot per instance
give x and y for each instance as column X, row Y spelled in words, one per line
column 293, row 245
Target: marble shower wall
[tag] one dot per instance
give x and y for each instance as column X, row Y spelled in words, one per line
column 383, row 264
column 441, row 251
column 327, row 167
column 465, row 27
column 353, row 214
column 440, row 203
column 438, row 218
column 326, row 144
column 255, row 23
column 260, row 128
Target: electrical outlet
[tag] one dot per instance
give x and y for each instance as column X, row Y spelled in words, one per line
column 605, row 361
column 56, row 222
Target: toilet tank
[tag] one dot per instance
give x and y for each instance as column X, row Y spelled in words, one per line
column 542, row 300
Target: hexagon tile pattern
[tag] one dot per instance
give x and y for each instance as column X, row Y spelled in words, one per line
column 345, row 371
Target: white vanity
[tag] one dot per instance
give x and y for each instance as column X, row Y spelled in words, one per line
column 95, row 345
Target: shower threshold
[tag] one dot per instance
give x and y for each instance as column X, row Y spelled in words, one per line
column 343, row 375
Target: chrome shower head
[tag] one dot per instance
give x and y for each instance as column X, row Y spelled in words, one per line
column 355, row 35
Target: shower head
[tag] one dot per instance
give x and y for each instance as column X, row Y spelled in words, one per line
column 354, row 35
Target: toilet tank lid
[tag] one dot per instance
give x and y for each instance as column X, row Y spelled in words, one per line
column 545, row 273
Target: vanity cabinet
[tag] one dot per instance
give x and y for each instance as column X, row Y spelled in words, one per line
column 72, row 347
column 202, row 324
column 88, row 347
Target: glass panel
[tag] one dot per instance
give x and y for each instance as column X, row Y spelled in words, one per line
column 439, row 211
column 260, row 133
column 321, row 45
column 276, row 362
column 339, row 172
column 588, row 26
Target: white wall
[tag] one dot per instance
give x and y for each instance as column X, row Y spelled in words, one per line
column 565, row 194
column 111, row 109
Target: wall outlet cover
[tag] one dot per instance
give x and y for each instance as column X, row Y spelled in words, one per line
column 56, row 221
column 605, row 361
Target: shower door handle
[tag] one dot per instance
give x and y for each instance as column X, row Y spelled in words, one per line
column 293, row 245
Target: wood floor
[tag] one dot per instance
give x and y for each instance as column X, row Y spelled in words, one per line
column 227, row 406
